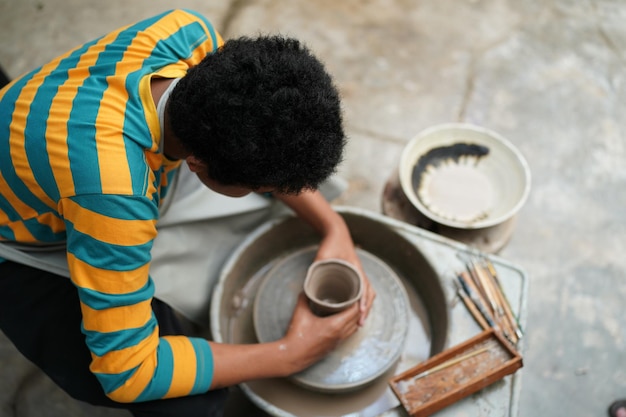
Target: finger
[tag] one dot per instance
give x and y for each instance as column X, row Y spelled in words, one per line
column 363, row 308
column 348, row 328
column 370, row 298
column 302, row 298
column 352, row 328
column 349, row 315
column 366, row 303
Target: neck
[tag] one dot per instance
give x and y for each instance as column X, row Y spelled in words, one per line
column 171, row 145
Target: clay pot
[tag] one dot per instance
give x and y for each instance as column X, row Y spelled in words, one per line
column 332, row 285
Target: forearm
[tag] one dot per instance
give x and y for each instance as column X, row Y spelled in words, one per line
column 308, row 339
column 234, row 364
column 312, row 207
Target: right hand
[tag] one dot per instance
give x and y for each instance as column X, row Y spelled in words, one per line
column 309, row 338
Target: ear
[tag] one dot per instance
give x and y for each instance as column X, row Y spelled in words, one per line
column 195, row 165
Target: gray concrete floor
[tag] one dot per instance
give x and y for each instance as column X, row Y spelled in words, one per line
column 547, row 74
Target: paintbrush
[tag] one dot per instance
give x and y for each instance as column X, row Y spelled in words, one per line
column 491, row 271
column 480, row 286
column 488, row 288
column 502, row 314
column 450, row 362
column 495, row 299
column 471, row 307
column 475, row 299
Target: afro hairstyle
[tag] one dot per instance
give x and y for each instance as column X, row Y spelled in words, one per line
column 260, row 113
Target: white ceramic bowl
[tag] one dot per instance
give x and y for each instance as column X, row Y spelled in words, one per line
column 464, row 176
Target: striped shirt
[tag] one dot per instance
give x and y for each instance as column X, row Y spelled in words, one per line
column 81, row 163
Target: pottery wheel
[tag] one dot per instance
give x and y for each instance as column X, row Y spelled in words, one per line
column 360, row 359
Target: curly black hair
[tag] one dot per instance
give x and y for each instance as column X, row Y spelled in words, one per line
column 260, row 112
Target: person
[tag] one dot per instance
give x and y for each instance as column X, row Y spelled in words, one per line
column 90, row 145
column 618, row 409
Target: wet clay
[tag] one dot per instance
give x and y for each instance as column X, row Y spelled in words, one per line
column 448, row 182
column 457, row 192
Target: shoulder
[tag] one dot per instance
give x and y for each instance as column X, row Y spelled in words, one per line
column 185, row 27
column 188, row 16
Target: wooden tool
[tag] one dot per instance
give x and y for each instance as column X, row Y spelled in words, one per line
column 482, row 292
column 451, row 362
column 472, row 309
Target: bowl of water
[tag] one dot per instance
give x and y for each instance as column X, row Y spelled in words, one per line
column 464, row 176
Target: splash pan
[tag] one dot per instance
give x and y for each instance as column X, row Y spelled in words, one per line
column 232, row 318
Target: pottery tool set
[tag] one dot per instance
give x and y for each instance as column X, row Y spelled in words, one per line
column 474, row 364
column 480, row 289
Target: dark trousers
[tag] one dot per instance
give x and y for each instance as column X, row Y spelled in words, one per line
column 40, row 314
column 4, row 78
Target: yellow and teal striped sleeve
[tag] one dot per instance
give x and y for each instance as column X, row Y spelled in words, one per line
column 109, row 241
column 80, row 161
